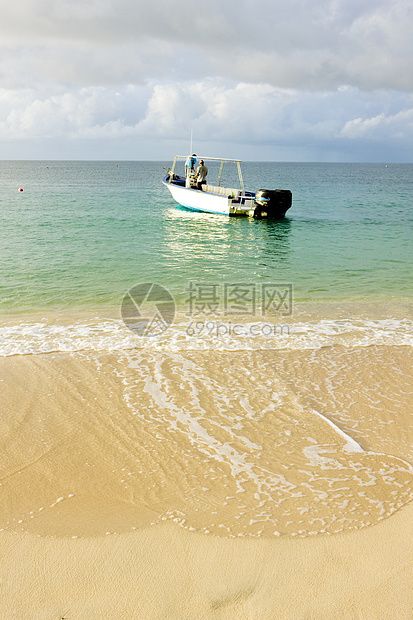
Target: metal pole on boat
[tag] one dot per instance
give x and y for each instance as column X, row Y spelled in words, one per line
column 173, row 170
column 220, row 172
column 190, row 150
column 241, row 180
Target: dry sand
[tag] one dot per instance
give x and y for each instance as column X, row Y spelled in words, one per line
column 166, row 572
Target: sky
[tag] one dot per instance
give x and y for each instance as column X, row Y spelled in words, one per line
column 297, row 80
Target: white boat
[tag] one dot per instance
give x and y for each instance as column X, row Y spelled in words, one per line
column 224, row 200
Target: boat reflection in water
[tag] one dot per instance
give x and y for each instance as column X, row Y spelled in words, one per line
column 204, row 248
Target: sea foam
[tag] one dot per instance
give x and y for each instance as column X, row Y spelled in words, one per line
column 31, row 338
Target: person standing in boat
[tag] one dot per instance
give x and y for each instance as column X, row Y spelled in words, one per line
column 189, row 168
column 190, row 164
column 201, row 173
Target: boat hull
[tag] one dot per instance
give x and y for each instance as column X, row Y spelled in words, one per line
column 200, row 201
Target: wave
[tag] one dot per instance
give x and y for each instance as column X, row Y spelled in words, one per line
column 32, row 338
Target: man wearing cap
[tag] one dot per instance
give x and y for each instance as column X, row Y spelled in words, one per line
column 201, row 173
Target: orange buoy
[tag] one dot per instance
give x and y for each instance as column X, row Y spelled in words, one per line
column 20, row 189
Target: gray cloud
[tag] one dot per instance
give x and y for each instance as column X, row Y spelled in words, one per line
column 295, row 44
column 238, row 114
column 331, row 75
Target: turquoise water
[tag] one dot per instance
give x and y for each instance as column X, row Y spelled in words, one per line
column 82, row 233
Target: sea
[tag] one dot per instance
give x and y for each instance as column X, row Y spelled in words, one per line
column 239, row 377
column 82, row 233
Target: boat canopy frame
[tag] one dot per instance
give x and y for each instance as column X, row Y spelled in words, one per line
column 223, row 161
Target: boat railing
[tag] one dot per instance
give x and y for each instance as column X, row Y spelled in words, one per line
column 223, row 161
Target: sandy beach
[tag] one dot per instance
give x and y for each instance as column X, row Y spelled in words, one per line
column 171, row 485
column 206, row 369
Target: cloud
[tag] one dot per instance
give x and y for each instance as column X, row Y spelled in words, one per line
column 31, row 114
column 239, row 114
column 333, row 75
column 385, row 127
column 297, row 44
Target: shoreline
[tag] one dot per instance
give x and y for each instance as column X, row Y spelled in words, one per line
column 334, row 308
column 309, row 326
column 329, row 306
column 119, row 449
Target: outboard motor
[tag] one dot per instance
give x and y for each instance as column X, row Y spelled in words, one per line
column 272, row 203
